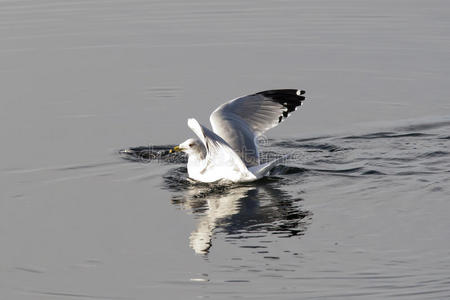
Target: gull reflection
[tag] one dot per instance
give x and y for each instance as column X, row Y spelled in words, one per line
column 240, row 212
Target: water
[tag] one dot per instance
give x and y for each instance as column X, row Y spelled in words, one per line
column 360, row 211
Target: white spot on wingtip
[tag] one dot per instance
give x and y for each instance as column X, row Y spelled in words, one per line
column 199, row 280
column 298, row 92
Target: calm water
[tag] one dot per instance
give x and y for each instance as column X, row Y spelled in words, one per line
column 360, row 211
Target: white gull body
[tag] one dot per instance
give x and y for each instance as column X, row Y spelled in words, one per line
column 230, row 151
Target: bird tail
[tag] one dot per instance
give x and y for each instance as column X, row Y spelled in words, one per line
column 262, row 170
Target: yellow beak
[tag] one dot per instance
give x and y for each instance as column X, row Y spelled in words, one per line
column 175, row 149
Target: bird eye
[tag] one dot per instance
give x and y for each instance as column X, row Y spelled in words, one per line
column 191, row 144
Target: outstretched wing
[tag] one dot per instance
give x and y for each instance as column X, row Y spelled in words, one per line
column 218, row 152
column 240, row 121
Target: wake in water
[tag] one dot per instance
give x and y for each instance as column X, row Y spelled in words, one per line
column 414, row 159
column 240, row 211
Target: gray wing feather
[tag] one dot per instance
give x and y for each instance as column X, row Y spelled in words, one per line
column 240, row 121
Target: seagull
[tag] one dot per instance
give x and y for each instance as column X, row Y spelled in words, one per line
column 229, row 153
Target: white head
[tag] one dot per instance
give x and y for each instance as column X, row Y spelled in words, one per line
column 192, row 147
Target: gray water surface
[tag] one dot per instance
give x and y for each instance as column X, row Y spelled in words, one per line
column 361, row 211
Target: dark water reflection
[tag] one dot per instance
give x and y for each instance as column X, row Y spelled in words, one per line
column 239, row 211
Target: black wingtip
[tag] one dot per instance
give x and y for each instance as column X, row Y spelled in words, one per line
column 289, row 98
column 293, row 94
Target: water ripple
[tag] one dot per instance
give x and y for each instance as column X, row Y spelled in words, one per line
column 246, row 214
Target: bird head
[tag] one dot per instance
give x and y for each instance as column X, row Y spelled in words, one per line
column 190, row 146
